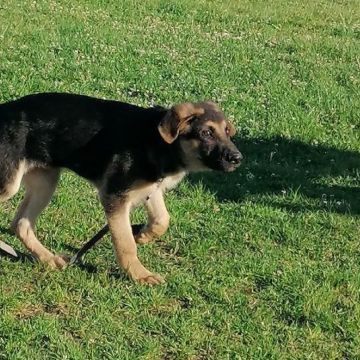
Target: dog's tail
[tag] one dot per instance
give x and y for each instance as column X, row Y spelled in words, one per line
column 7, row 249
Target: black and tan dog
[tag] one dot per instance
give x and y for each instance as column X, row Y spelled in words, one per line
column 131, row 154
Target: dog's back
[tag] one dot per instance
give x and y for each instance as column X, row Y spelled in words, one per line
column 64, row 130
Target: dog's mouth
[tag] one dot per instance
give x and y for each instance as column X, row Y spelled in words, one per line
column 229, row 166
column 226, row 161
column 224, row 165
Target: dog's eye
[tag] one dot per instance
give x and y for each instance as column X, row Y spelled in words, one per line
column 208, row 133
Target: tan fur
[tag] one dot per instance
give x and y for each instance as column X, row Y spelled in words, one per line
column 231, row 128
column 213, row 105
column 159, row 218
column 218, row 126
column 151, row 194
column 186, row 110
column 39, row 184
column 120, row 227
column 171, row 181
column 141, row 190
column 157, row 213
column 176, row 119
column 125, row 246
column 190, row 148
column 14, row 185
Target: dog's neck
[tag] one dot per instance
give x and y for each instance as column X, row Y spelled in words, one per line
column 166, row 159
column 163, row 159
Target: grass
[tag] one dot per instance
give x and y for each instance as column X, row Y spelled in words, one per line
column 260, row 264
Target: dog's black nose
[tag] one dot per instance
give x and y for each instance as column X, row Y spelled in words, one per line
column 234, row 157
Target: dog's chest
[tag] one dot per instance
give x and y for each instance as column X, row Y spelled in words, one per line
column 143, row 193
column 170, row 182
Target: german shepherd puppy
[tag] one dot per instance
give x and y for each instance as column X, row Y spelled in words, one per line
column 131, row 154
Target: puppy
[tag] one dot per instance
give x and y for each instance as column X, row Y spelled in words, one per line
column 131, row 154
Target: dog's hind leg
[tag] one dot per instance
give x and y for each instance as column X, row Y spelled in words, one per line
column 158, row 217
column 39, row 184
column 10, row 179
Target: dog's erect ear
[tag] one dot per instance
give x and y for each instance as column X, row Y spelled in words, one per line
column 231, row 127
column 176, row 120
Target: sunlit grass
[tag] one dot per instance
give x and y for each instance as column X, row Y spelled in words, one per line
column 260, row 264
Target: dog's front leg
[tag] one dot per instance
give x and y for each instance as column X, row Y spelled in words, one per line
column 158, row 221
column 124, row 244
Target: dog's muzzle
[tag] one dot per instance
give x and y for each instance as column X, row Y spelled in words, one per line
column 233, row 157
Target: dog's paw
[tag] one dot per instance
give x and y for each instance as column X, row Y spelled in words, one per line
column 58, row 262
column 151, row 280
column 143, row 238
column 141, row 234
column 141, row 275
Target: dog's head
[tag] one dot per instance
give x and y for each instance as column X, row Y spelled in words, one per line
column 203, row 134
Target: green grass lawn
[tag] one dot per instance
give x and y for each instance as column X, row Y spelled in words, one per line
column 263, row 263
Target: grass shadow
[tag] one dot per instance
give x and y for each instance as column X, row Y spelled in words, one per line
column 275, row 166
column 21, row 256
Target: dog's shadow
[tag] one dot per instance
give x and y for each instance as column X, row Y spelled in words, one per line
column 277, row 166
